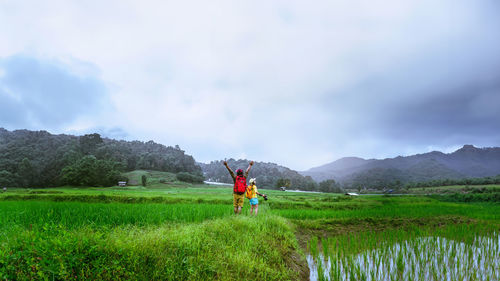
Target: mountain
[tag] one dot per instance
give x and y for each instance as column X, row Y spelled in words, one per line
column 268, row 175
column 466, row 162
column 337, row 169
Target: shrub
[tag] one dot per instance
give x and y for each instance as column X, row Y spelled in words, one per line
column 191, row 178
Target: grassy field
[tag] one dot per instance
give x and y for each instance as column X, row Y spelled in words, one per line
column 178, row 231
column 453, row 188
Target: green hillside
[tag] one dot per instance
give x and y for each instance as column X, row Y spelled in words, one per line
column 155, row 179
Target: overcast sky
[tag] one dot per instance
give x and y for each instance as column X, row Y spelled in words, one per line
column 298, row 83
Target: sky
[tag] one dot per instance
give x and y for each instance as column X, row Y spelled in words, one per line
column 298, row 83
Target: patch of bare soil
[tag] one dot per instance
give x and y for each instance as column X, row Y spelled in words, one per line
column 297, row 263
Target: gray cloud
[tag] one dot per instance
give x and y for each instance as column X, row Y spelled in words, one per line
column 290, row 82
column 467, row 111
column 46, row 94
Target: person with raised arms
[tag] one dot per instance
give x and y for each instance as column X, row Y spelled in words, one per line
column 240, row 186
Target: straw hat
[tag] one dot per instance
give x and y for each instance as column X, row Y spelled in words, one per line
column 252, row 181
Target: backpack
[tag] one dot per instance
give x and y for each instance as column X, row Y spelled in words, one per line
column 240, row 185
column 249, row 192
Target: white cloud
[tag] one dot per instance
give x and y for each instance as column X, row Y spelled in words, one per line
column 292, row 82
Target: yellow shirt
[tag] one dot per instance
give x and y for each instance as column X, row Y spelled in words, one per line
column 254, row 190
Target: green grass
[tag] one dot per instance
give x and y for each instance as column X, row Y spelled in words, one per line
column 225, row 249
column 76, row 214
column 183, row 231
column 458, row 186
column 154, row 178
column 167, row 194
column 451, row 188
column 481, row 211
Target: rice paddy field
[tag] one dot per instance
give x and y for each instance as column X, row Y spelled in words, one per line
column 188, row 232
column 457, row 252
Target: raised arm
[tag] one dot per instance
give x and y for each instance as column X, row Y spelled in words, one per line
column 248, row 169
column 230, row 171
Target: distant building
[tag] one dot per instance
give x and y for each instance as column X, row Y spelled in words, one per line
column 4, row 189
column 283, row 188
column 351, row 194
column 122, row 183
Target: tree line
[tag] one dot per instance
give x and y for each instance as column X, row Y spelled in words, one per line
column 449, row 182
column 40, row 159
column 268, row 175
column 382, row 179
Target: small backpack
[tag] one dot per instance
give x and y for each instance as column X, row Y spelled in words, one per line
column 249, row 192
column 240, row 185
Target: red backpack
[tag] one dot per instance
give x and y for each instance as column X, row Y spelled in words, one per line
column 240, row 185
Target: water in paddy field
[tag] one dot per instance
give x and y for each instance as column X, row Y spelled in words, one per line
column 429, row 258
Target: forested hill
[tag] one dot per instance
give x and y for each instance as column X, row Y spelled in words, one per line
column 38, row 158
column 466, row 162
column 268, row 175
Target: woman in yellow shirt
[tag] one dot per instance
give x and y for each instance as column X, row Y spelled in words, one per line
column 252, row 195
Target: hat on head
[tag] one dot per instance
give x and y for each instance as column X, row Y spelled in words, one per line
column 252, row 181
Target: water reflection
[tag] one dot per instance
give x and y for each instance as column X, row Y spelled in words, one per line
column 429, row 258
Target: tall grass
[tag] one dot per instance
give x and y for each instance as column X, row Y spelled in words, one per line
column 233, row 248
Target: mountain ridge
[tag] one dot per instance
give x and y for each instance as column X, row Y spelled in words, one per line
column 466, row 162
column 267, row 174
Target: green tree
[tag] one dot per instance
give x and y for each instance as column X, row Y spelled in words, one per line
column 188, row 177
column 26, row 172
column 398, row 185
column 329, row 186
column 49, row 154
column 89, row 171
column 283, row 182
column 7, row 179
column 359, row 187
column 90, row 142
column 144, row 180
column 310, row 184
